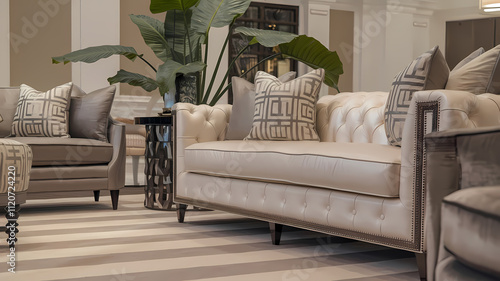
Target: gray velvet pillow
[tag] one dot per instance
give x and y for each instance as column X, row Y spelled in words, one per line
column 243, row 111
column 88, row 113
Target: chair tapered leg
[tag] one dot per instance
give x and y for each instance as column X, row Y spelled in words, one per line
column 181, row 212
column 422, row 265
column 114, row 198
column 135, row 169
column 97, row 193
column 276, row 230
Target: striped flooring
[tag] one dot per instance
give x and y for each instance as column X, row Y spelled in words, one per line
column 77, row 239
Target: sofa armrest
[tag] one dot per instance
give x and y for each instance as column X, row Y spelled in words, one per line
column 116, row 167
column 197, row 123
column 456, row 159
column 430, row 111
column 438, row 110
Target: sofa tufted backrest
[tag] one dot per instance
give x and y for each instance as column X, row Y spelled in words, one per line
column 352, row 117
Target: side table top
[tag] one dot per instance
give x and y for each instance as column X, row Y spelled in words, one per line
column 154, row 120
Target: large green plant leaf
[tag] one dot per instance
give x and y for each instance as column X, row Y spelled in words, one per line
column 93, row 54
column 311, row 52
column 168, row 71
column 160, row 6
column 267, row 38
column 184, row 40
column 217, row 13
column 134, row 79
column 153, row 32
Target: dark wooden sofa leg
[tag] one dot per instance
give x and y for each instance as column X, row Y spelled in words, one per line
column 114, row 198
column 181, row 212
column 276, row 230
column 97, row 193
column 422, row 265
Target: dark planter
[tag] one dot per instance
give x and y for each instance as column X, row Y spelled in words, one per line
column 186, row 88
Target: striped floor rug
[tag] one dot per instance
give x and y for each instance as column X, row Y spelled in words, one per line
column 77, row 239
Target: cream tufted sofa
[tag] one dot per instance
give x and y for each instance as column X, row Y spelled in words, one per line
column 351, row 184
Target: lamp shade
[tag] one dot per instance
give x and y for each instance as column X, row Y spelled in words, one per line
column 487, row 4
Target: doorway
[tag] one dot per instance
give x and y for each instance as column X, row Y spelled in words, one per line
column 342, row 41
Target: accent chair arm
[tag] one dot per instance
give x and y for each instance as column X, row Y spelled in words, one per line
column 116, row 167
column 456, row 159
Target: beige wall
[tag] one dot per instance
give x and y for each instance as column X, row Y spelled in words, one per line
column 131, row 37
column 39, row 32
column 341, row 40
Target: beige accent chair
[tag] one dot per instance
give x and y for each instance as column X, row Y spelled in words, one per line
column 71, row 164
column 463, row 204
column 351, row 184
column 135, row 136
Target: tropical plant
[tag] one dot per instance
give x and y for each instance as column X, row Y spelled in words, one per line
column 179, row 39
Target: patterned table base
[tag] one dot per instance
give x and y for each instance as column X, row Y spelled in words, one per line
column 158, row 190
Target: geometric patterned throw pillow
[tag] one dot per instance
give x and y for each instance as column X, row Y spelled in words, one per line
column 42, row 114
column 427, row 72
column 243, row 110
column 286, row 111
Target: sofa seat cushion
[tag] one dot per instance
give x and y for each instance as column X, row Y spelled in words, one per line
column 470, row 227
column 49, row 151
column 356, row 167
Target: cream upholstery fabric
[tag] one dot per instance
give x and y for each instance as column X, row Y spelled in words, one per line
column 136, row 144
column 352, row 117
column 478, row 76
column 347, row 117
column 470, row 57
column 135, row 140
column 195, row 124
column 328, row 165
column 370, row 215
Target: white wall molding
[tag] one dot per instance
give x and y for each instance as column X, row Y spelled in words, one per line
column 95, row 23
column 76, row 68
column 319, row 15
column 4, row 43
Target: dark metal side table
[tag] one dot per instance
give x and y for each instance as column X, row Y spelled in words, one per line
column 159, row 162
